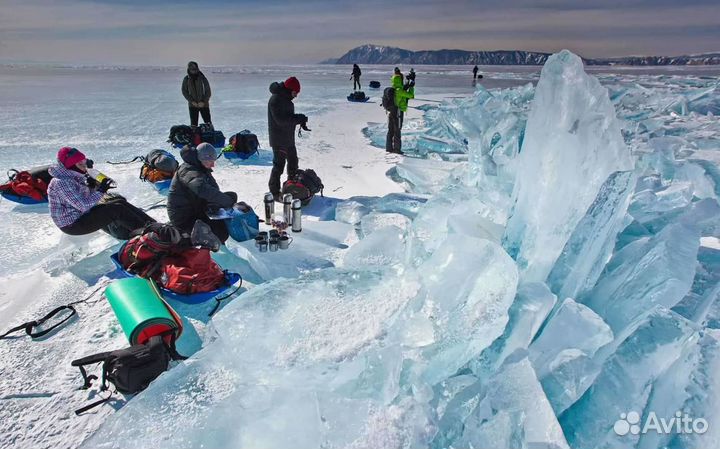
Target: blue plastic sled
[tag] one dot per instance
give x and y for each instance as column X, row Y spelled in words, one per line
column 239, row 155
column 197, row 298
column 218, row 144
column 21, row 199
column 357, row 101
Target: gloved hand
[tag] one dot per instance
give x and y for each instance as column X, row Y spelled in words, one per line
column 91, row 182
column 302, row 119
column 200, row 104
column 104, row 186
column 89, row 163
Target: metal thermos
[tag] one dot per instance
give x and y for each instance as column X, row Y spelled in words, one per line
column 269, row 207
column 287, row 204
column 296, row 216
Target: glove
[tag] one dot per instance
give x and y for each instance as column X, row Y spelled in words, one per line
column 89, row 163
column 104, row 186
column 91, row 182
column 302, row 119
column 200, row 104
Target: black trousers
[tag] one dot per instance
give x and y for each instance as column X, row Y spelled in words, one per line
column 117, row 217
column 205, row 112
column 219, row 228
column 356, row 82
column 280, row 155
column 393, row 141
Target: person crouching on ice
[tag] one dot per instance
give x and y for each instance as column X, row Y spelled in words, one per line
column 194, row 190
column 80, row 205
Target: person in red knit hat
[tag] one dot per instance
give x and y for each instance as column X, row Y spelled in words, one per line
column 80, row 205
column 282, row 121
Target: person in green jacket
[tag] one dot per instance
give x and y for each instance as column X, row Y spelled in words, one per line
column 403, row 93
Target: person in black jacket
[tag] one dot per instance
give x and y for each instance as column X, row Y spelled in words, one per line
column 282, row 121
column 356, row 77
column 196, row 90
column 193, row 190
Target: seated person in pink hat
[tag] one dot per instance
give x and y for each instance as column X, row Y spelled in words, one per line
column 78, row 204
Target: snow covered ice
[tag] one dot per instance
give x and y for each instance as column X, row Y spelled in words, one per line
column 548, row 268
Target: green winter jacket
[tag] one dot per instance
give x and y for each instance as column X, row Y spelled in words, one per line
column 401, row 95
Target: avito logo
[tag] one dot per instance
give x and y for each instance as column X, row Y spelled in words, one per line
column 680, row 423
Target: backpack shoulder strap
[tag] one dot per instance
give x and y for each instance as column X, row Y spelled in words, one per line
column 89, row 360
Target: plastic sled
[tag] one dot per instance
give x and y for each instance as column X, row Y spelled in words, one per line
column 195, row 298
column 22, row 199
column 238, row 155
column 357, row 101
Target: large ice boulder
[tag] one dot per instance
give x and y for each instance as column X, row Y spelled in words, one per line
column 572, row 144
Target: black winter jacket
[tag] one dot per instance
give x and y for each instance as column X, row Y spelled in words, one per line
column 192, row 190
column 196, row 88
column 282, row 118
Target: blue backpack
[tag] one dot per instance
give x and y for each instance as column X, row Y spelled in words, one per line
column 243, row 226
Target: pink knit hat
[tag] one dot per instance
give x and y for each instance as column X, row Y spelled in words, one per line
column 70, row 156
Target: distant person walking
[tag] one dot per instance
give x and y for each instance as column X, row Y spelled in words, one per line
column 356, row 77
column 196, row 90
column 282, row 121
column 411, row 76
column 396, row 111
column 475, row 71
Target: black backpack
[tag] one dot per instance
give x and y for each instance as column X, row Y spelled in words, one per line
column 161, row 160
column 180, row 135
column 245, row 142
column 303, row 186
column 358, row 96
column 388, row 99
column 130, row 370
column 209, row 135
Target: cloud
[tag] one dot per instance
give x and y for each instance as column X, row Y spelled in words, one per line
column 272, row 31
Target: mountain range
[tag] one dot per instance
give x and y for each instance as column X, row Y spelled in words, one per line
column 379, row 54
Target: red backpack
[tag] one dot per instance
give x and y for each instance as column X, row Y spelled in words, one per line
column 143, row 254
column 24, row 184
column 192, row 271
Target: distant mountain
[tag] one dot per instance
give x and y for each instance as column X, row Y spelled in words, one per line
column 702, row 59
column 378, row 54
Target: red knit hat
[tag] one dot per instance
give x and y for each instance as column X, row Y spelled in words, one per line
column 292, row 84
column 70, row 156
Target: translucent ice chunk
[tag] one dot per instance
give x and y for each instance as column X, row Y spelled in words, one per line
column 649, row 272
column 384, row 247
column 350, row 211
column 572, row 144
column 374, row 221
column 532, row 304
column 562, row 353
column 591, row 243
column 626, row 380
column 514, row 391
column 469, row 285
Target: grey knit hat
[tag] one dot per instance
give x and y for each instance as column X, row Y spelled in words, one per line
column 206, row 152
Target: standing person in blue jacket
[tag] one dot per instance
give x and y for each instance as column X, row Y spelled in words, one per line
column 282, row 121
column 196, row 90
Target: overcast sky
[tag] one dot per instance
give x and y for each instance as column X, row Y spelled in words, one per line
column 307, row 31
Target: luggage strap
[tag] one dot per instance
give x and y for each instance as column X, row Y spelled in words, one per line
column 30, row 325
column 221, row 298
